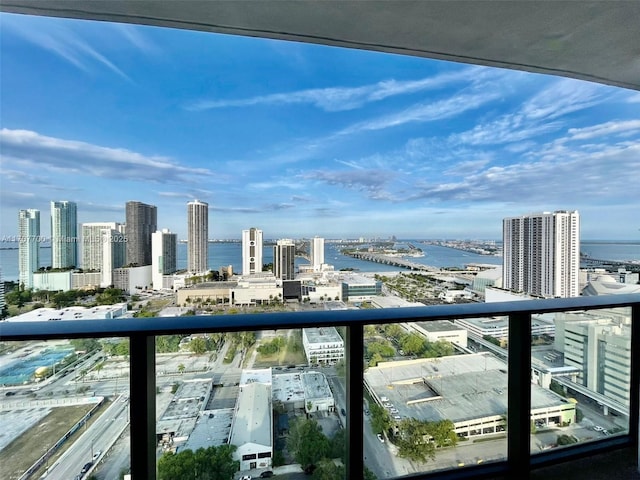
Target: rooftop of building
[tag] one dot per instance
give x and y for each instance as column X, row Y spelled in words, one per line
column 393, row 302
column 261, row 375
column 457, row 388
column 287, row 387
column 212, row 285
column 99, row 312
column 606, row 285
column 315, row 385
column 252, row 422
column 322, row 335
column 439, row 326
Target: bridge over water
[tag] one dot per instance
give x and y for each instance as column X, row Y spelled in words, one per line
column 594, row 262
column 394, row 261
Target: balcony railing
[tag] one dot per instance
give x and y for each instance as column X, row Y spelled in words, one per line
column 519, row 461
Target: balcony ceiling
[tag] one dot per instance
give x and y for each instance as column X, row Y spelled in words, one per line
column 590, row 40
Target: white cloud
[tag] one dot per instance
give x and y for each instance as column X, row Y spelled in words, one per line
column 40, row 152
column 333, row 99
column 424, row 112
column 537, row 116
column 59, row 38
column 622, row 128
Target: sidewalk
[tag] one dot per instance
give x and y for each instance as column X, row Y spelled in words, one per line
column 284, row 469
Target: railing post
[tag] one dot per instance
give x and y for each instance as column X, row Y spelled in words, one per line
column 143, row 406
column 634, row 381
column 355, row 395
column 519, row 396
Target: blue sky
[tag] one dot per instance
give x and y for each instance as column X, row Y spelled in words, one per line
column 302, row 140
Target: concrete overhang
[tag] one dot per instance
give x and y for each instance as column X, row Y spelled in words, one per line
column 590, row 40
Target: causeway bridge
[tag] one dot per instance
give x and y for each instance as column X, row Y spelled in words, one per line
column 394, row 261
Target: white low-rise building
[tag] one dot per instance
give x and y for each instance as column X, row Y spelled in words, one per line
column 252, row 428
column 100, row 312
column 322, row 345
column 256, row 289
column 442, row 330
column 133, row 279
column 317, row 393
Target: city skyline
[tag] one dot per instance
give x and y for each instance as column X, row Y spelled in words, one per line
column 289, row 138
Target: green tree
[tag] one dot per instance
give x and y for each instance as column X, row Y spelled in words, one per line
column 414, row 442
column 566, row 439
column 326, row 469
column 375, row 359
column 306, row 442
column 382, row 348
column 338, row 445
column 85, row 344
column 181, row 368
column 198, row 345
column 212, row 463
column 369, row 475
column 413, row 344
column 168, row 343
column 380, row 419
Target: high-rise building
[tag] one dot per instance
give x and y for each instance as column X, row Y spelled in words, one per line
column 284, row 255
column 164, row 246
column 28, row 245
column 93, row 243
column 197, row 237
column 141, row 222
column 64, row 234
column 114, row 253
column 251, row 251
column 317, row 253
column 542, row 254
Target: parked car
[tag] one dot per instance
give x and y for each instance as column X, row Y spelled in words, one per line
column 266, row 474
column 343, row 412
column 97, row 455
column 245, row 477
column 380, row 437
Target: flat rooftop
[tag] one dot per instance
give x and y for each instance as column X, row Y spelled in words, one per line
column 287, row 387
column 393, row 302
column 315, row 385
column 323, row 335
column 439, row 326
column 100, row 312
column 458, row 388
column 262, row 375
column 212, row 428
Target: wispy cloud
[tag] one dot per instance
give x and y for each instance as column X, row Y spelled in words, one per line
column 74, row 157
column 537, row 116
column 620, row 128
column 562, row 97
column 369, row 181
column 591, row 173
column 424, row 112
column 74, row 44
column 334, row 99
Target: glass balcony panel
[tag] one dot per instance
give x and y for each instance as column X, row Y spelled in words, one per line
column 259, row 402
column 435, row 395
column 64, row 408
column 581, row 362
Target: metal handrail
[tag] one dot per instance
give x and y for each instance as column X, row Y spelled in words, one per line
column 142, row 332
column 120, row 327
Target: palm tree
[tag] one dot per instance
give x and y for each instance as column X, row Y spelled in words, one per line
column 181, row 368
